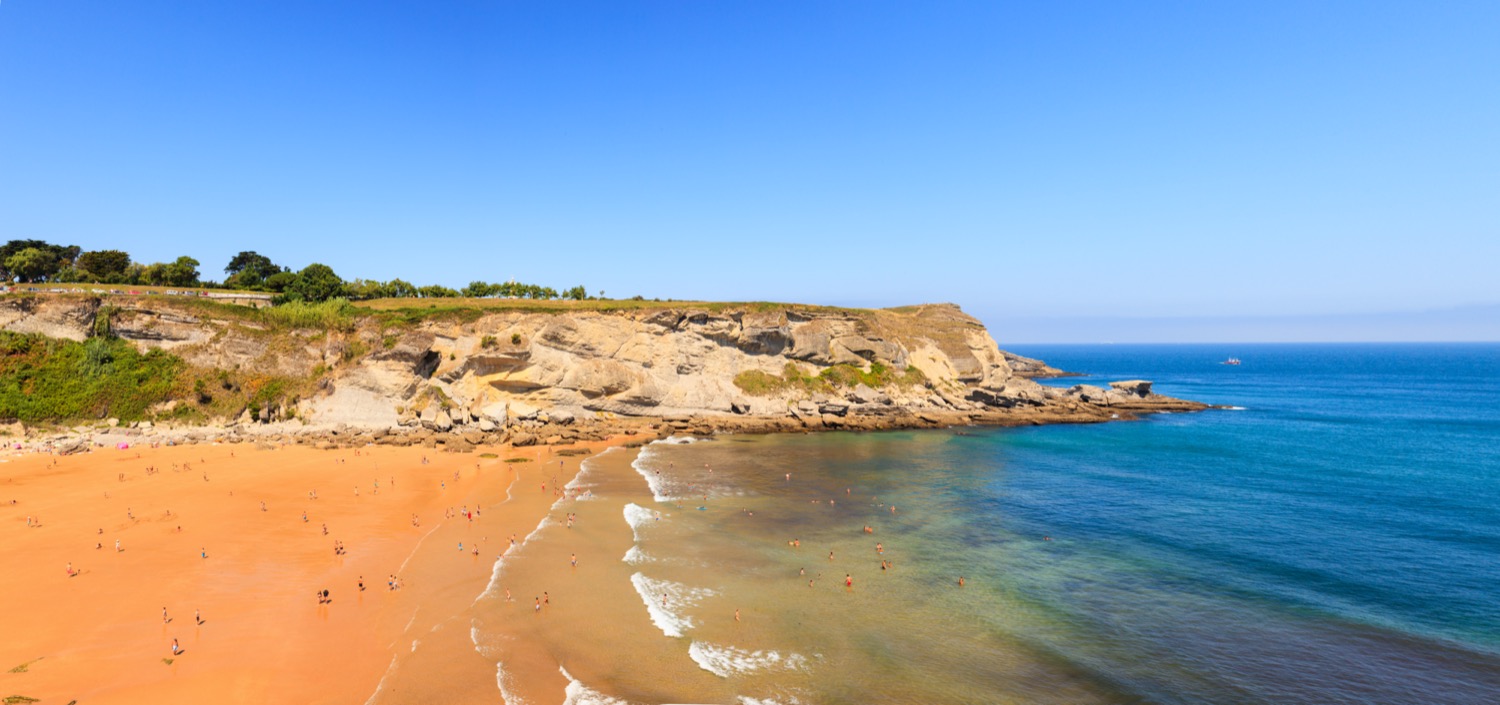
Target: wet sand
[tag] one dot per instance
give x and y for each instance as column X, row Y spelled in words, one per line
column 99, row 636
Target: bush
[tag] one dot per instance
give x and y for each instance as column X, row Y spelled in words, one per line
column 830, row 379
column 488, row 342
column 335, row 314
column 47, row 380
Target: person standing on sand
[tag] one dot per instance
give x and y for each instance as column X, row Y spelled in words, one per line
column 176, row 649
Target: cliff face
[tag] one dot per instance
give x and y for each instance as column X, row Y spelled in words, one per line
column 669, row 362
column 788, row 366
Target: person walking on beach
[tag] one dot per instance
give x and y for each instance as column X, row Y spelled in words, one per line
column 575, row 560
column 176, row 649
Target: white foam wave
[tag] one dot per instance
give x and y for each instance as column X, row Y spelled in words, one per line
column 1234, row 408
column 681, row 440
column 637, row 516
column 747, row 700
column 666, row 601
column 654, row 479
column 580, row 694
column 725, row 661
column 635, row 556
column 498, row 570
column 503, row 680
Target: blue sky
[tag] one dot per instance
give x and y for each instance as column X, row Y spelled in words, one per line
column 1065, row 171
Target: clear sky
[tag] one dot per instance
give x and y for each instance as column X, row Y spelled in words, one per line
column 1063, row 170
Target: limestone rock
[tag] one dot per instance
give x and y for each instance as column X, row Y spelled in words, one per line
column 521, row 440
column 1133, row 387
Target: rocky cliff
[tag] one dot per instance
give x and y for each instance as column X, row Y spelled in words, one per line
column 747, row 367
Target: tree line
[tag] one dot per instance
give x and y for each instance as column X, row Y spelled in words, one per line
column 37, row 261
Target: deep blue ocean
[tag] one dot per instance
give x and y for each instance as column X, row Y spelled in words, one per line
column 1334, row 538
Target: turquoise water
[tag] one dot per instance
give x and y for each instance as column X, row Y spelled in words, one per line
column 1334, row 539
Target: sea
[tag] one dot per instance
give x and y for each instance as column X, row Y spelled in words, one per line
column 1332, row 535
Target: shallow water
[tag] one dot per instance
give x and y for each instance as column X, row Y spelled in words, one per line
column 1335, row 541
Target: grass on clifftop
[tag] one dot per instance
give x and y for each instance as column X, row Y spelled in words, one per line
column 831, row 379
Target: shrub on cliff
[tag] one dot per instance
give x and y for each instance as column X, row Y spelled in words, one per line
column 44, row 379
column 830, row 379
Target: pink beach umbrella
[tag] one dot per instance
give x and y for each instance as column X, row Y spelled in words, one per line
column 122, row 445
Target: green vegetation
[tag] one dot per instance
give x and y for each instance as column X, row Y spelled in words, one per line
column 518, row 460
column 18, row 700
column 43, row 379
column 833, row 378
column 335, row 314
column 38, row 261
column 488, row 342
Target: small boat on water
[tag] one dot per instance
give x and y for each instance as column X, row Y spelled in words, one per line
column 1231, row 361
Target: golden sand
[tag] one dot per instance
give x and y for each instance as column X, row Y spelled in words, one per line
column 99, row 635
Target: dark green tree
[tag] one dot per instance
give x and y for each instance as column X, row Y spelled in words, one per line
column 107, row 266
column 181, row 272
column 249, row 270
column 61, row 256
column 479, row 290
column 400, row 289
column 32, row 264
column 316, row 283
column 279, row 281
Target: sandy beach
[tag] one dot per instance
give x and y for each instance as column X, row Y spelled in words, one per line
column 223, row 550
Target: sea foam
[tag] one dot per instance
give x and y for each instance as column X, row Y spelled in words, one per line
column 635, row 556
column 726, row 661
column 667, row 614
column 637, row 516
column 579, row 694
